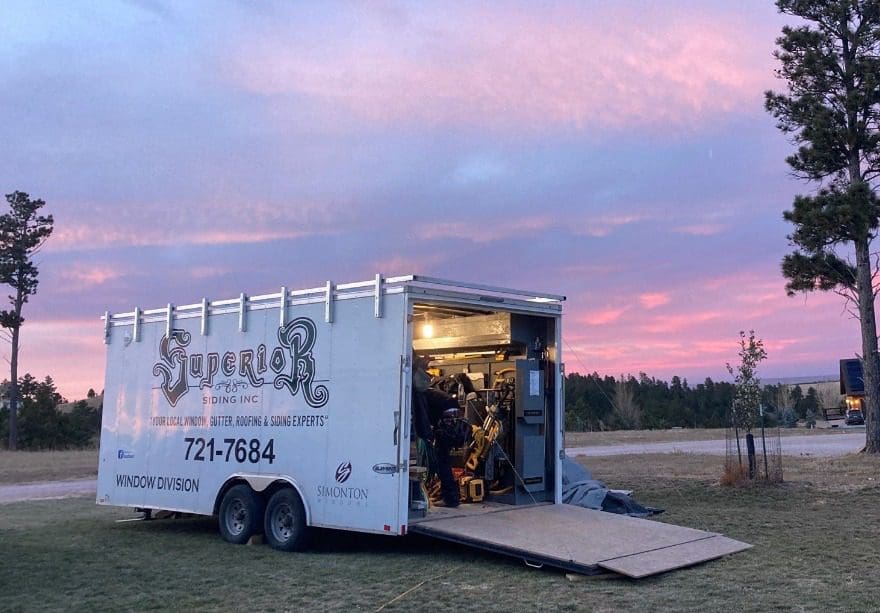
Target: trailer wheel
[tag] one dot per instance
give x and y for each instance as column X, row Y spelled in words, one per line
column 285, row 524
column 240, row 514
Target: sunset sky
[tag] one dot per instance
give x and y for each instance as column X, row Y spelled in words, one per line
column 615, row 152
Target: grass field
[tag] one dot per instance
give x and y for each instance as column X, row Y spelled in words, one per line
column 620, row 437
column 28, row 466
column 815, row 541
column 24, row 467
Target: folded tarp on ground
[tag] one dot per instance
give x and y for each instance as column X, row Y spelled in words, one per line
column 580, row 489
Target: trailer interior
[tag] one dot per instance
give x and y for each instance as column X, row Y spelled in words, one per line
column 501, row 368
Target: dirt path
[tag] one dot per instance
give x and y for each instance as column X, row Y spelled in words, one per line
column 46, row 490
column 805, row 445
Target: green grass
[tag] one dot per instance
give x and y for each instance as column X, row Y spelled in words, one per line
column 814, row 537
column 29, row 466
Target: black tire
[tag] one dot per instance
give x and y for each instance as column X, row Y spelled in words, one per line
column 284, row 526
column 241, row 514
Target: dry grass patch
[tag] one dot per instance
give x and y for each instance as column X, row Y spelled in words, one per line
column 31, row 466
column 622, row 437
column 851, row 473
column 733, row 473
column 814, row 540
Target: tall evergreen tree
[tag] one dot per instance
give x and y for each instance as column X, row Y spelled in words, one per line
column 22, row 232
column 831, row 65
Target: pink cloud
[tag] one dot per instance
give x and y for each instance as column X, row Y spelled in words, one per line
column 669, row 324
column 70, row 350
column 741, row 281
column 406, row 265
column 653, row 300
column 701, row 335
column 83, row 276
column 610, row 65
column 218, row 221
column 603, row 226
column 706, row 229
column 85, row 237
column 206, row 272
column 652, row 356
column 601, row 317
column 694, row 340
column 598, row 352
column 580, row 268
column 487, row 233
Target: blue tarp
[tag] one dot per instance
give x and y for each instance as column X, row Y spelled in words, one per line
column 580, row 489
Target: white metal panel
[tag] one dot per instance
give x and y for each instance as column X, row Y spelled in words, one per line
column 406, row 412
column 360, row 358
column 558, row 437
column 324, row 394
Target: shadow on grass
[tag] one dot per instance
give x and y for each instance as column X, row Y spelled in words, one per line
column 326, row 542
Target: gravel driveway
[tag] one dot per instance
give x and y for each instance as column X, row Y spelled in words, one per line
column 825, row 445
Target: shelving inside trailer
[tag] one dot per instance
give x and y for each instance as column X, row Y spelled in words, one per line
column 501, row 368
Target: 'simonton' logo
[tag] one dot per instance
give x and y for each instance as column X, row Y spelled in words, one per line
column 291, row 361
column 343, row 472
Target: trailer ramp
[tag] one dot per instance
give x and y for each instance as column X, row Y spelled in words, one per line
column 576, row 539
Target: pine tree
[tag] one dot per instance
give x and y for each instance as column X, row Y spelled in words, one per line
column 22, row 232
column 831, row 111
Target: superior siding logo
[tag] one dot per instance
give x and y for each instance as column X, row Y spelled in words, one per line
column 291, row 362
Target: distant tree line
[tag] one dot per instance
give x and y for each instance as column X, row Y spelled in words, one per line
column 41, row 425
column 595, row 402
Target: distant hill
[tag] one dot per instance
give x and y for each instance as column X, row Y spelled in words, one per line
column 801, row 380
column 94, row 403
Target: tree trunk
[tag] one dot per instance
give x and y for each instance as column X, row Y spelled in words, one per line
column 869, row 346
column 750, row 450
column 13, row 391
column 864, row 278
column 764, row 445
column 13, row 367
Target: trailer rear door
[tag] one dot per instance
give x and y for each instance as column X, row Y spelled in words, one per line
column 576, row 539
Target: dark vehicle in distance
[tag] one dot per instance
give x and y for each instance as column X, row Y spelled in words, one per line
column 854, row 417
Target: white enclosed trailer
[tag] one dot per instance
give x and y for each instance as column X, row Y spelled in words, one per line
column 283, row 411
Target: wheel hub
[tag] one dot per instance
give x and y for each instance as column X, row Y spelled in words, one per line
column 283, row 522
column 237, row 517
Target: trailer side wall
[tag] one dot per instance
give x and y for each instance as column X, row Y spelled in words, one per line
column 314, row 403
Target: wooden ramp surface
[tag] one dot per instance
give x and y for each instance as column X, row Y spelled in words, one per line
column 577, row 539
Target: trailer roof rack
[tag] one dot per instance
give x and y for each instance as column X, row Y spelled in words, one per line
column 377, row 287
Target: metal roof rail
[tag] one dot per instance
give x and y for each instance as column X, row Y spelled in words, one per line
column 327, row 293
